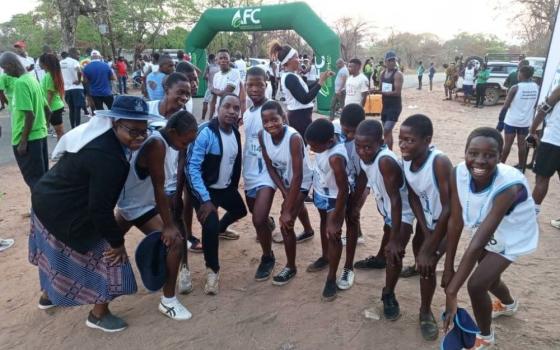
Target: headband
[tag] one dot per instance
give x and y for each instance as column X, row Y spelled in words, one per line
column 289, row 56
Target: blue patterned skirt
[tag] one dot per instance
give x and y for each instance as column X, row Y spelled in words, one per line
column 70, row 278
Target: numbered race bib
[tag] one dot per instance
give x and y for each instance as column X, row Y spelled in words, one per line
column 386, row 87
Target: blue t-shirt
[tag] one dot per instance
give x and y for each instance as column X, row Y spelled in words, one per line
column 99, row 74
column 154, row 85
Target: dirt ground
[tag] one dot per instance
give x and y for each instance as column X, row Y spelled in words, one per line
column 257, row 315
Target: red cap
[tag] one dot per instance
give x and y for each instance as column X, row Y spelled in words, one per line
column 20, row 43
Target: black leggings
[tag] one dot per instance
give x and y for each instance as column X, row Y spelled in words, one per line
column 480, row 93
column 100, row 100
column 230, row 200
column 300, row 119
column 35, row 163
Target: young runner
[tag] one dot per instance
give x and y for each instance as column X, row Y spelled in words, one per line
column 493, row 201
column 386, row 180
column 226, row 81
column 391, row 88
column 144, row 202
column 357, row 85
column 345, row 127
column 287, row 163
column 213, row 170
column 427, row 171
column 519, row 109
column 330, row 194
column 259, row 187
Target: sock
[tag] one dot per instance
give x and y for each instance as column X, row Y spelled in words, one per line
column 538, row 209
column 168, row 300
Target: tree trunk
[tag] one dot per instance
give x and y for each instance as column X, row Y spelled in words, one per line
column 69, row 13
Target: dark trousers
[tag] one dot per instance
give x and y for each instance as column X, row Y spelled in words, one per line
column 274, row 84
column 98, row 101
column 122, row 85
column 420, row 82
column 336, row 103
column 480, row 92
column 75, row 100
column 35, row 163
column 230, row 200
column 300, row 119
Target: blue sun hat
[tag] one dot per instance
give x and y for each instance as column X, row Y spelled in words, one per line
column 463, row 334
column 151, row 255
column 128, row 107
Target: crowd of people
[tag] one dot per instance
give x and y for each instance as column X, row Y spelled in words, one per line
column 165, row 168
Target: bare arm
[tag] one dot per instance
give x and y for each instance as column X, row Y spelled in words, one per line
column 336, row 217
column 552, row 100
column 398, row 84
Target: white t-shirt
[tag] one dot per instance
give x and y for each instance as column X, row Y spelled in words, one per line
column 324, row 181
column 343, row 72
column 223, row 80
column 70, row 68
column 39, row 72
column 26, row 61
column 241, row 67
column 355, row 87
column 520, row 112
column 255, row 173
column 468, row 79
column 229, row 153
column 551, row 133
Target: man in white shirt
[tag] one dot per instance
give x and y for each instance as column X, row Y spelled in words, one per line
column 226, row 81
column 357, row 85
column 27, row 62
column 211, row 69
column 240, row 65
column 74, row 90
column 339, row 87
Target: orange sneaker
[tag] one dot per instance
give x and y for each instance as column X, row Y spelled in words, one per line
column 482, row 343
column 499, row 309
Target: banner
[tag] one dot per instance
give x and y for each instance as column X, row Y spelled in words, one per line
column 551, row 74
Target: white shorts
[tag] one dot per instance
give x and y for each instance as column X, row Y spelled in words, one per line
column 207, row 96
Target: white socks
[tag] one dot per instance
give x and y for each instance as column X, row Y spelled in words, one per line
column 168, row 300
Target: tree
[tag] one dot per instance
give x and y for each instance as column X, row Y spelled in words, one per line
column 351, row 32
column 69, row 11
column 536, row 22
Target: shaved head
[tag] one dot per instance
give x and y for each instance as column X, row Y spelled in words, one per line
column 11, row 64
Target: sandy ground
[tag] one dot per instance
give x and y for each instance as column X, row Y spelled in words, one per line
column 252, row 315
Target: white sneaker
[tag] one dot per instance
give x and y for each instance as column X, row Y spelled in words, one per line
column 184, row 285
column 346, row 279
column 343, row 239
column 174, row 310
column 212, row 279
column 361, row 240
column 555, row 223
column 499, row 309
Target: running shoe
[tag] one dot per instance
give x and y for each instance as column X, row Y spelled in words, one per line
column 555, row 223
column 391, row 309
column 499, row 309
column 229, row 235
column 346, row 279
column 184, row 285
column 369, row 263
column 483, row 343
column 285, row 276
column 45, row 303
column 318, row 265
column 304, row 236
column 212, row 282
column 107, row 323
column 265, row 268
column 329, row 292
column 174, row 310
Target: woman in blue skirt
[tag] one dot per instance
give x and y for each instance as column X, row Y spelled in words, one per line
column 75, row 241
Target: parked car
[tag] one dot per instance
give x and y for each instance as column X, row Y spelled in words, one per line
column 495, row 89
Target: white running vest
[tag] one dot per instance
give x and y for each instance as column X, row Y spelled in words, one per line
column 324, row 181
column 468, row 79
column 424, row 183
column 255, row 173
column 291, row 103
column 518, row 232
column 551, row 132
column 353, row 167
column 282, row 160
column 522, row 109
column 377, row 184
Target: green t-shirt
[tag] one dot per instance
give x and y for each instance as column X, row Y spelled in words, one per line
column 47, row 84
column 483, row 76
column 7, row 85
column 28, row 97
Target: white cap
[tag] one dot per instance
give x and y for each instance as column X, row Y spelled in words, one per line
column 95, row 53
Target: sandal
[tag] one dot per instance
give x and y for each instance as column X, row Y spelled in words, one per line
column 428, row 326
column 409, row 271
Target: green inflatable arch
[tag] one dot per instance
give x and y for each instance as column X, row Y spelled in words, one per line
column 297, row 16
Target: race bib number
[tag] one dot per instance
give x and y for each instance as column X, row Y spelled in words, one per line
column 386, row 87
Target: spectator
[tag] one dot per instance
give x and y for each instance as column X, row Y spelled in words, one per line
column 481, row 79
column 339, row 87
column 368, row 69
column 74, row 91
column 356, row 85
column 226, row 81
column 240, row 65
column 420, row 73
column 468, row 82
column 122, row 74
column 450, row 81
column 99, row 76
column 27, row 62
column 154, row 81
column 311, row 73
column 29, row 124
column 211, row 69
column 511, row 80
column 431, row 73
column 376, row 84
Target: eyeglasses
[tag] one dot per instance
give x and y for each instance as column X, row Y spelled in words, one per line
column 136, row 133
